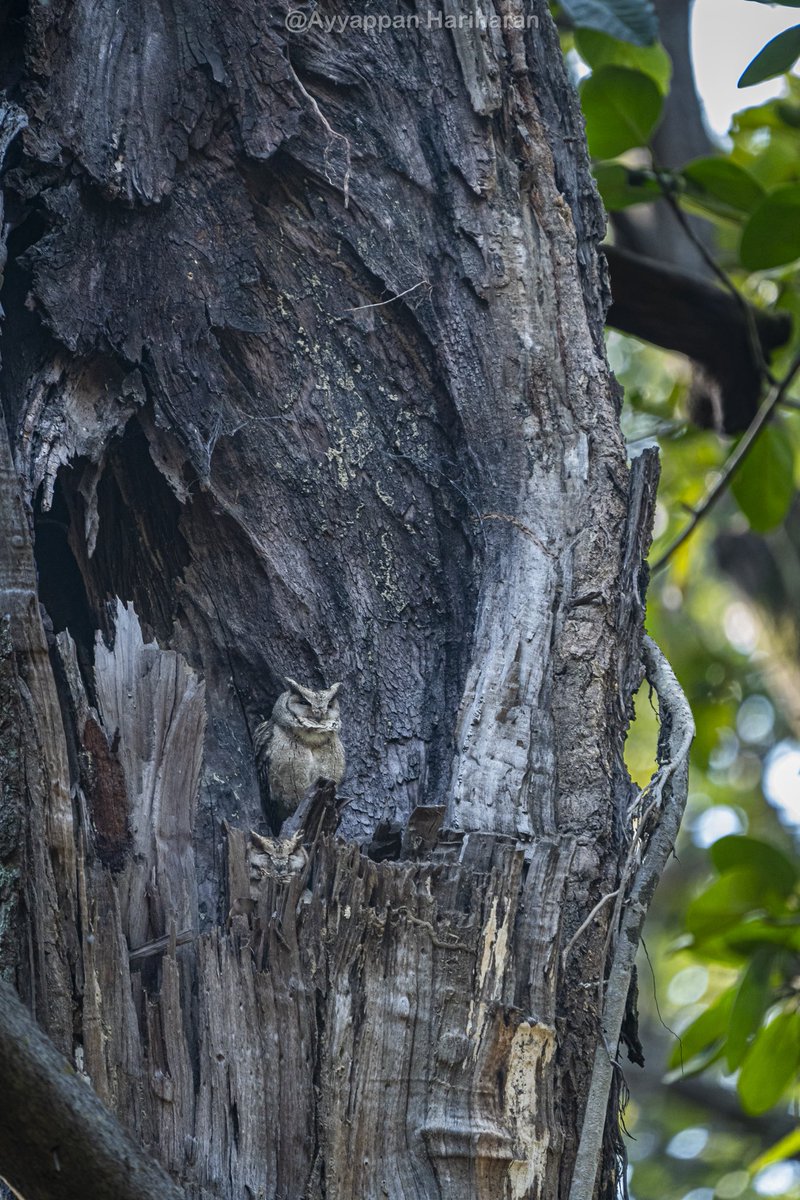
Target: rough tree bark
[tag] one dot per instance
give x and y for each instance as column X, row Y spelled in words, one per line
column 303, row 373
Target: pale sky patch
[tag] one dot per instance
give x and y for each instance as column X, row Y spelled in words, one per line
column 726, row 36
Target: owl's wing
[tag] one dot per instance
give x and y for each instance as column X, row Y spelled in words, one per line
column 262, row 741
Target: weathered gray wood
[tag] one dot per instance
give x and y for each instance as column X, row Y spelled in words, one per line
column 304, row 375
column 658, row 813
column 38, row 937
column 57, row 1140
column 152, row 707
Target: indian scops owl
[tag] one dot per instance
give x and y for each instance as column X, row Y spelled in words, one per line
column 299, row 745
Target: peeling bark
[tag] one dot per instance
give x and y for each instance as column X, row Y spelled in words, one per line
column 304, row 374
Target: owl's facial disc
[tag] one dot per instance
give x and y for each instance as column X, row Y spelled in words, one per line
column 313, row 706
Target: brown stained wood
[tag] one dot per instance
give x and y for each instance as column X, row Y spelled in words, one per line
column 420, row 1058
column 103, row 782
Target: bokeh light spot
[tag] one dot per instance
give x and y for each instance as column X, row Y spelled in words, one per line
column 688, row 1143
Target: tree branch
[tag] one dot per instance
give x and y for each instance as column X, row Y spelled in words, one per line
column 57, row 1140
column 719, row 272
column 666, row 794
column 679, row 311
column 734, row 460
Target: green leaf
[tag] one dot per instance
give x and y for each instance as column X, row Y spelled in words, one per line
column 763, row 486
column 621, row 108
column 724, row 903
column 777, row 57
column 630, row 20
column 620, row 187
column 770, row 115
column 731, row 903
column 742, row 939
column 751, row 1002
column 599, row 50
column 787, row 1147
column 730, row 853
column 788, row 114
column 770, row 1064
column 772, row 235
column 705, row 1034
column 720, row 184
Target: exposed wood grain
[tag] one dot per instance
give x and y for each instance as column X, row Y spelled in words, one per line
column 304, row 375
column 56, row 1138
column 39, row 889
column 152, row 705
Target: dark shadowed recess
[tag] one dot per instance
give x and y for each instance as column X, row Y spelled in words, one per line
column 323, row 457
column 242, row 533
column 139, row 552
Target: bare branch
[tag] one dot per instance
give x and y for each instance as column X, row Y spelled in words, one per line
column 391, row 300
column 715, row 268
column 662, row 304
column 734, row 460
column 601, row 903
column 57, row 1140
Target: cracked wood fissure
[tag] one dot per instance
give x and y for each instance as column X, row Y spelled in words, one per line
column 303, row 374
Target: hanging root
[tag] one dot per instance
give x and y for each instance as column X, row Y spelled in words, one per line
column 660, row 810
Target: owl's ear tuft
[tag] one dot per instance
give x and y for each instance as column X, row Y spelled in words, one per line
column 293, row 685
column 333, row 690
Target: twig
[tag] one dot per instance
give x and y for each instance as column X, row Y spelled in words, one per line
column 161, row 945
column 670, row 784
column 733, row 462
column 601, row 903
column 391, row 300
column 331, row 133
column 515, row 521
column 638, row 845
column 720, row 273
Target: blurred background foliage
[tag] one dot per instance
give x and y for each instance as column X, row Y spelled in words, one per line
column 714, row 1113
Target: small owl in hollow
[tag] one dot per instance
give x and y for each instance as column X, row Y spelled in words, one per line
column 298, row 745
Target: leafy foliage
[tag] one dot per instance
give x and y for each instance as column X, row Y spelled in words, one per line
column 749, row 916
column 777, row 57
column 752, row 196
column 621, row 107
column 737, row 654
column 721, row 188
column 600, row 50
column 621, row 186
column 771, row 236
column 763, row 487
column 630, row 20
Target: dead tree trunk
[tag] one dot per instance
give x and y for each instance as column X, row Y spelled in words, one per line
column 303, row 373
